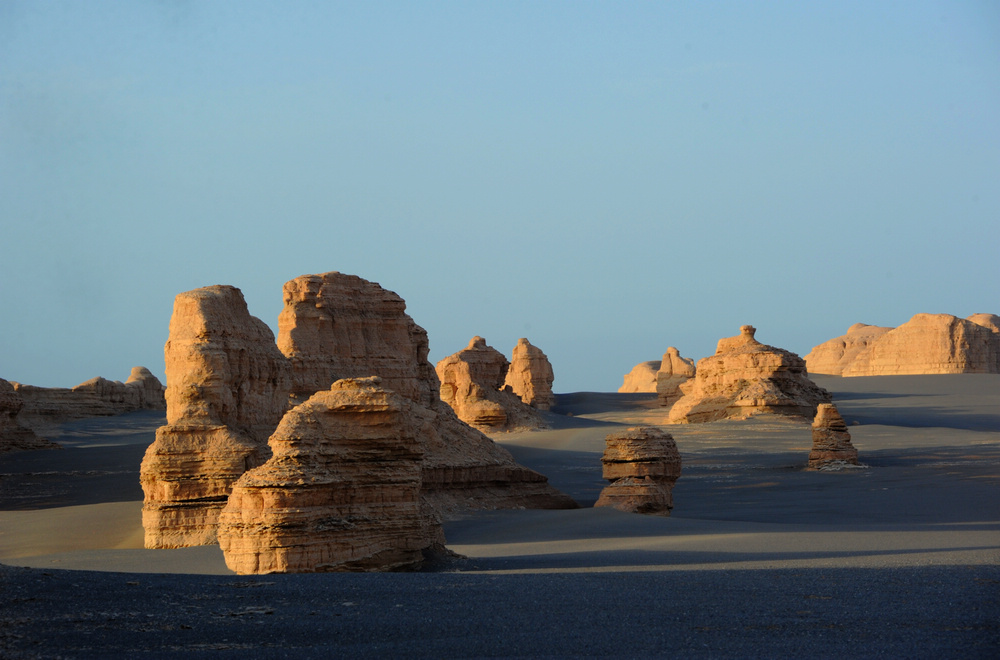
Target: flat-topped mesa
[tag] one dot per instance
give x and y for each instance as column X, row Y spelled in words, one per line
column 642, row 464
column 746, row 378
column 471, row 382
column 341, row 491
column 932, row 344
column 674, row 371
column 336, row 326
column 831, row 357
column 641, row 379
column 530, row 375
column 14, row 436
column 831, row 448
column 228, row 389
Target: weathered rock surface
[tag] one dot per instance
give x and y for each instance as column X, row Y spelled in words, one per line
column 341, row 492
column 989, row 321
column 642, row 464
column 14, row 436
column 831, row 357
column 642, row 378
column 228, row 389
column 832, row 446
column 746, row 378
column 674, row 371
column 530, row 375
column 931, row 344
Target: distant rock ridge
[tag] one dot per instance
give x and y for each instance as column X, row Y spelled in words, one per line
column 926, row 344
column 15, row 436
column 530, row 375
column 642, row 464
column 746, row 378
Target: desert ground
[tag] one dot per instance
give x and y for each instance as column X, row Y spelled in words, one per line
column 760, row 558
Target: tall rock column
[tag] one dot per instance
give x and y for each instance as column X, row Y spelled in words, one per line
column 530, row 375
column 832, row 446
column 642, row 464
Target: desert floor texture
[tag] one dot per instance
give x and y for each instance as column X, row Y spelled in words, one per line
column 759, row 559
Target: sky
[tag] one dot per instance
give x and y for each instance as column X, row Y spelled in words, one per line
column 607, row 179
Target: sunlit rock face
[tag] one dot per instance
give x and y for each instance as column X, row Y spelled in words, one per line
column 227, row 390
column 746, row 378
column 674, row 371
column 642, row 378
column 642, row 464
column 341, row 492
column 530, row 375
column 831, row 357
column 831, row 448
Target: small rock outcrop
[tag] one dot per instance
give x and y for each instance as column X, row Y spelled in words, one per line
column 642, row 464
column 674, row 371
column 831, row 357
column 746, row 378
column 341, row 491
column 228, row 389
column 530, row 376
column 471, row 382
column 832, row 448
column 641, row 379
column 14, row 436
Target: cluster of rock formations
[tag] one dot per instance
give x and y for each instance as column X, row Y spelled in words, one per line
column 832, row 448
column 236, row 397
column 642, row 464
column 474, row 383
column 746, row 378
column 926, row 344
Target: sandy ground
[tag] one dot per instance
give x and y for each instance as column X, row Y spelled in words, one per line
column 760, row 557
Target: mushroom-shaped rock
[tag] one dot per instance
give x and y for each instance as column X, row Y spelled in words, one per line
column 530, row 375
column 674, row 371
column 642, row 464
column 832, row 446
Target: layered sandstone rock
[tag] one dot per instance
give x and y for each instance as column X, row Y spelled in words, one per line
column 746, row 378
column 228, row 389
column 674, row 371
column 642, row 464
column 14, row 436
column 832, row 448
column 642, row 378
column 530, row 376
column 341, row 491
column 931, row 344
column 831, row 357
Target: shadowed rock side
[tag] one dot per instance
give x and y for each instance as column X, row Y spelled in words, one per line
column 228, row 388
column 832, row 356
column 674, row 371
column 642, row 378
column 642, row 464
column 530, row 376
column 341, row 491
column 746, row 378
column 14, row 436
column 338, row 326
column 470, row 383
column 45, row 408
column 832, row 448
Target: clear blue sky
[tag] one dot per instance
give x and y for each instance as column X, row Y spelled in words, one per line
column 607, row 179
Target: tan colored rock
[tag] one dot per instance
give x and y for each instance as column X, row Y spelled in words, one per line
column 930, row 344
column 832, row 448
column 642, row 464
column 641, row 379
column 831, row 357
column 341, row 491
column 530, row 376
column 228, row 389
column 989, row 321
column 746, row 378
column 14, row 436
column 674, row 371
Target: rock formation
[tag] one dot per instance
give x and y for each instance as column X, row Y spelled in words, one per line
column 989, row 321
column 341, row 491
column 530, row 376
column 832, row 356
column 746, row 378
column 642, row 464
column 674, row 371
column 14, row 436
column 832, row 446
column 228, row 388
column 642, row 378
column 471, row 382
